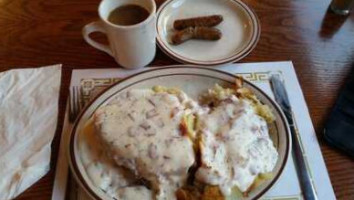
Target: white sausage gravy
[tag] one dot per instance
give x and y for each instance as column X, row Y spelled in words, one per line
column 141, row 129
column 137, row 137
column 235, row 146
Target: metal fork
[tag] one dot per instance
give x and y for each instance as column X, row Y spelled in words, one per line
column 75, row 103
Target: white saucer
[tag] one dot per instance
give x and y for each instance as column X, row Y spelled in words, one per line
column 240, row 31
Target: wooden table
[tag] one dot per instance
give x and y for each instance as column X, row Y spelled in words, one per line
column 320, row 44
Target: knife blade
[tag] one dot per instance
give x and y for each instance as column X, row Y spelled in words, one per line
column 303, row 172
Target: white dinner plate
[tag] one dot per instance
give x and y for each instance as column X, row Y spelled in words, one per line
column 240, row 31
column 194, row 81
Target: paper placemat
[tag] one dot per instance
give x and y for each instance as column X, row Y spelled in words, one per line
column 287, row 187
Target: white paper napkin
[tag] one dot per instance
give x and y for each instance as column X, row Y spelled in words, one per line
column 28, row 120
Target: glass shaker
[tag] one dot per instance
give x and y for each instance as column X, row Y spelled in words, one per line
column 342, row 7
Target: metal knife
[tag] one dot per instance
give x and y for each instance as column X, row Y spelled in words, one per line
column 303, row 172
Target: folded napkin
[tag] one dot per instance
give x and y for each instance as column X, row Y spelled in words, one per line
column 28, row 118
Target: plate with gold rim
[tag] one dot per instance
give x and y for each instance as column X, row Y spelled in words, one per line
column 194, row 81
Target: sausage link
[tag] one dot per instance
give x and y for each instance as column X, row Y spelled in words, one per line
column 206, row 33
column 206, row 21
column 181, row 36
column 202, row 33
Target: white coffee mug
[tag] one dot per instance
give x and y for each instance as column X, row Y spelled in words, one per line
column 131, row 46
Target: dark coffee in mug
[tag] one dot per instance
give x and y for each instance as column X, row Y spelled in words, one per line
column 127, row 15
column 126, row 23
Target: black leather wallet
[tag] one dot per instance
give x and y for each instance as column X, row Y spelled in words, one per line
column 339, row 129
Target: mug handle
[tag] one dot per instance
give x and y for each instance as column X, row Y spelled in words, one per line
column 96, row 26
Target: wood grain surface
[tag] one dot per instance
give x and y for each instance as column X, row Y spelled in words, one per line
column 320, row 44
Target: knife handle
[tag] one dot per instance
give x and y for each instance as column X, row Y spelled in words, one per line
column 303, row 170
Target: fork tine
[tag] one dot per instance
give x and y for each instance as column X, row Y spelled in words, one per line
column 78, row 100
column 77, row 103
column 74, row 104
column 81, row 99
column 71, row 101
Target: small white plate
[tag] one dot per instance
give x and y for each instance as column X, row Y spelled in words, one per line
column 240, row 31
